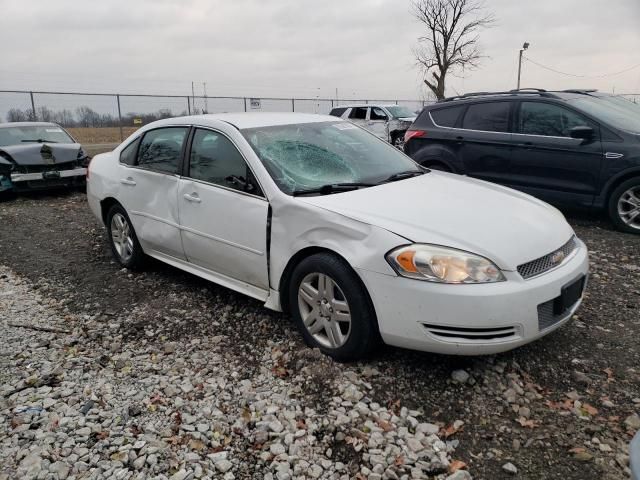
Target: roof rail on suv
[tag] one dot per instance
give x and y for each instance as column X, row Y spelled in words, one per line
column 522, row 91
column 580, row 90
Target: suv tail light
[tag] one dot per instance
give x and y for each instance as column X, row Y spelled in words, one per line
column 409, row 134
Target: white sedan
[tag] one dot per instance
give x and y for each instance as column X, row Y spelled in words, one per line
column 314, row 216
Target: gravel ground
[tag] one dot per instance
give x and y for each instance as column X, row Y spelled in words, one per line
column 159, row 374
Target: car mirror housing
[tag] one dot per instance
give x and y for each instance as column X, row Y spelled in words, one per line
column 582, row 132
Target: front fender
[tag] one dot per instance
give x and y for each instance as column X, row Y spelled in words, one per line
column 296, row 226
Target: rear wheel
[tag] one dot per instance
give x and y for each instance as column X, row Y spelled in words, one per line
column 624, row 206
column 437, row 166
column 332, row 308
column 124, row 244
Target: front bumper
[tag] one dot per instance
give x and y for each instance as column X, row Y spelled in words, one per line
column 471, row 319
column 40, row 180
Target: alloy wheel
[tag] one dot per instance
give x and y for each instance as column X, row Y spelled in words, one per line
column 121, row 237
column 629, row 207
column 324, row 310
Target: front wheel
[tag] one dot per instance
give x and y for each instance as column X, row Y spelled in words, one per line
column 397, row 139
column 624, row 206
column 332, row 308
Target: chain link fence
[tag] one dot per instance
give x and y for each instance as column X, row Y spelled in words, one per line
column 101, row 118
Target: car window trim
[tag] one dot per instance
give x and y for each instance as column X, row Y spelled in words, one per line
column 187, row 164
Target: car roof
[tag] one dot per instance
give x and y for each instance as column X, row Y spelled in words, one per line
column 354, row 105
column 244, row 120
column 28, row 124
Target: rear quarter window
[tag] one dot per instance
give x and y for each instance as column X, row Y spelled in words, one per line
column 446, row 117
column 337, row 112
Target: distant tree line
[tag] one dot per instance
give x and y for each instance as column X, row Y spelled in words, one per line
column 84, row 116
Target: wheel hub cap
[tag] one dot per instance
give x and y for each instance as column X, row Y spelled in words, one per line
column 324, row 310
column 121, row 237
column 629, row 207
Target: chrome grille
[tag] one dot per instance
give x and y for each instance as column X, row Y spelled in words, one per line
column 543, row 264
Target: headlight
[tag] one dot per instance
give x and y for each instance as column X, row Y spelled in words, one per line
column 443, row 265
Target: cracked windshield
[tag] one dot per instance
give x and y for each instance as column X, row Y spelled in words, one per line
column 307, row 156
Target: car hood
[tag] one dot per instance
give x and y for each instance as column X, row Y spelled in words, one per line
column 504, row 225
column 42, row 153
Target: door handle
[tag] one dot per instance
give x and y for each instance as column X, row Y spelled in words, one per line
column 527, row 145
column 128, row 181
column 459, row 140
column 194, row 198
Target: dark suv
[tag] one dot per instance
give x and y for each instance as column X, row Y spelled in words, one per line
column 570, row 148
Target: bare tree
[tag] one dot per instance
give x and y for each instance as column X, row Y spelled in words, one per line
column 451, row 41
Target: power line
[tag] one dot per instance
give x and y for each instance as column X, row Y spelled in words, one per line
column 551, row 69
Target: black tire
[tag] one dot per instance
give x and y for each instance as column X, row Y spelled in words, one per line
column 633, row 184
column 397, row 140
column 136, row 258
column 363, row 335
column 441, row 167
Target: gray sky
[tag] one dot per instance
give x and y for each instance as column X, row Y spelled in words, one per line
column 301, row 48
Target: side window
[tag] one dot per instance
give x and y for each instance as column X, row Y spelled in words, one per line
column 446, row 117
column 488, row 117
column 161, row 149
column 537, row 118
column 358, row 113
column 377, row 114
column 337, row 112
column 128, row 154
column 214, row 159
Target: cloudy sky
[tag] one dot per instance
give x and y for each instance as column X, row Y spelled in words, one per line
column 302, row 48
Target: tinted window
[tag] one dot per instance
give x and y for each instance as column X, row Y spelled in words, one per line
column 128, row 154
column 337, row 112
column 488, row 117
column 547, row 119
column 161, row 149
column 446, row 117
column 215, row 159
column 358, row 113
column 377, row 114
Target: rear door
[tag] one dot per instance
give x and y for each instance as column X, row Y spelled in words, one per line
column 547, row 162
column 485, row 140
column 149, row 187
column 223, row 212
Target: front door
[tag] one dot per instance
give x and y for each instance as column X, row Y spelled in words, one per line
column 223, row 212
column 148, row 186
column 378, row 123
column 547, row 162
column 485, row 140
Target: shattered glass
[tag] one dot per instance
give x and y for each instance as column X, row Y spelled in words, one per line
column 310, row 155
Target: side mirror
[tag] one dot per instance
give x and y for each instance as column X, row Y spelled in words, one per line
column 582, row 133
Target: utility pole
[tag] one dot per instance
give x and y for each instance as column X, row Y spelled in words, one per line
column 206, row 100
column 524, row 47
column 193, row 98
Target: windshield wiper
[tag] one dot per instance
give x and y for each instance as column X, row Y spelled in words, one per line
column 40, row 140
column 403, row 175
column 332, row 188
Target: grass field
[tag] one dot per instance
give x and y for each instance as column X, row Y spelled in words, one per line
column 100, row 135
